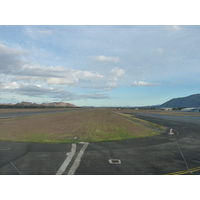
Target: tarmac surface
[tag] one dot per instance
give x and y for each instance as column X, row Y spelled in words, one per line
column 156, row 155
column 186, row 119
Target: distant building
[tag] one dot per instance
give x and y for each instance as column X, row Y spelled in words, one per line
column 187, row 109
column 166, row 109
column 195, row 109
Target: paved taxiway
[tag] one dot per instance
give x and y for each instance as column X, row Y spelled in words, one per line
column 154, row 155
column 186, row 119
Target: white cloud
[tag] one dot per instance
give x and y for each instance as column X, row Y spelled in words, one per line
column 48, row 32
column 12, row 85
column 176, row 27
column 160, row 50
column 39, row 91
column 172, row 27
column 19, row 76
column 28, row 31
column 102, row 58
column 87, row 75
column 6, row 51
column 71, row 77
column 115, row 73
column 111, row 85
column 35, row 32
column 142, row 83
column 64, row 76
column 61, row 81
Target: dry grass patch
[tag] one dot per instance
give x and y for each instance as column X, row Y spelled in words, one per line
column 87, row 125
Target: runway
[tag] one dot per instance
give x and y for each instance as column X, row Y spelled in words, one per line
column 186, row 119
column 156, row 155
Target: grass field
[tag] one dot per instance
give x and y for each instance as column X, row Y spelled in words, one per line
column 89, row 125
column 140, row 121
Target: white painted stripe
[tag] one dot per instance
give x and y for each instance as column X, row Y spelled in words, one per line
column 15, row 168
column 67, row 160
column 7, row 117
column 4, row 148
column 78, row 160
column 183, row 158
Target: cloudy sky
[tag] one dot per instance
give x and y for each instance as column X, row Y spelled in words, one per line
column 90, row 65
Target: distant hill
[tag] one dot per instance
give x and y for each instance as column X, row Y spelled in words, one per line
column 189, row 101
column 58, row 104
column 25, row 104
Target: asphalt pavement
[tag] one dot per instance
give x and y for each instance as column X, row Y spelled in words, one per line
column 156, row 155
column 186, row 119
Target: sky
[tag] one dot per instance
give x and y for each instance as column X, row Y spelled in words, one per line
column 99, row 65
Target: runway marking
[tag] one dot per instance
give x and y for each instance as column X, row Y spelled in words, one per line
column 15, row 168
column 183, row 157
column 185, row 171
column 78, row 160
column 67, row 160
column 7, row 117
column 4, row 148
column 114, row 161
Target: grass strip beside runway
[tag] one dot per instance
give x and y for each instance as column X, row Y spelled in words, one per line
column 143, row 122
column 93, row 125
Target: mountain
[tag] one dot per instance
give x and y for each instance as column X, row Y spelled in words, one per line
column 58, row 104
column 189, row 101
column 25, row 104
column 7, row 104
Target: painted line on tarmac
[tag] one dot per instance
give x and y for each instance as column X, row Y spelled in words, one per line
column 4, row 148
column 15, row 168
column 78, row 160
column 9, row 117
column 185, row 125
column 185, row 171
column 14, row 117
column 67, row 160
column 183, row 157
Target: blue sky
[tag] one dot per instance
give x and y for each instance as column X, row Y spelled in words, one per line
column 90, row 65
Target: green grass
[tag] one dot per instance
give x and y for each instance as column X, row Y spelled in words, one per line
column 97, row 125
column 144, row 122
